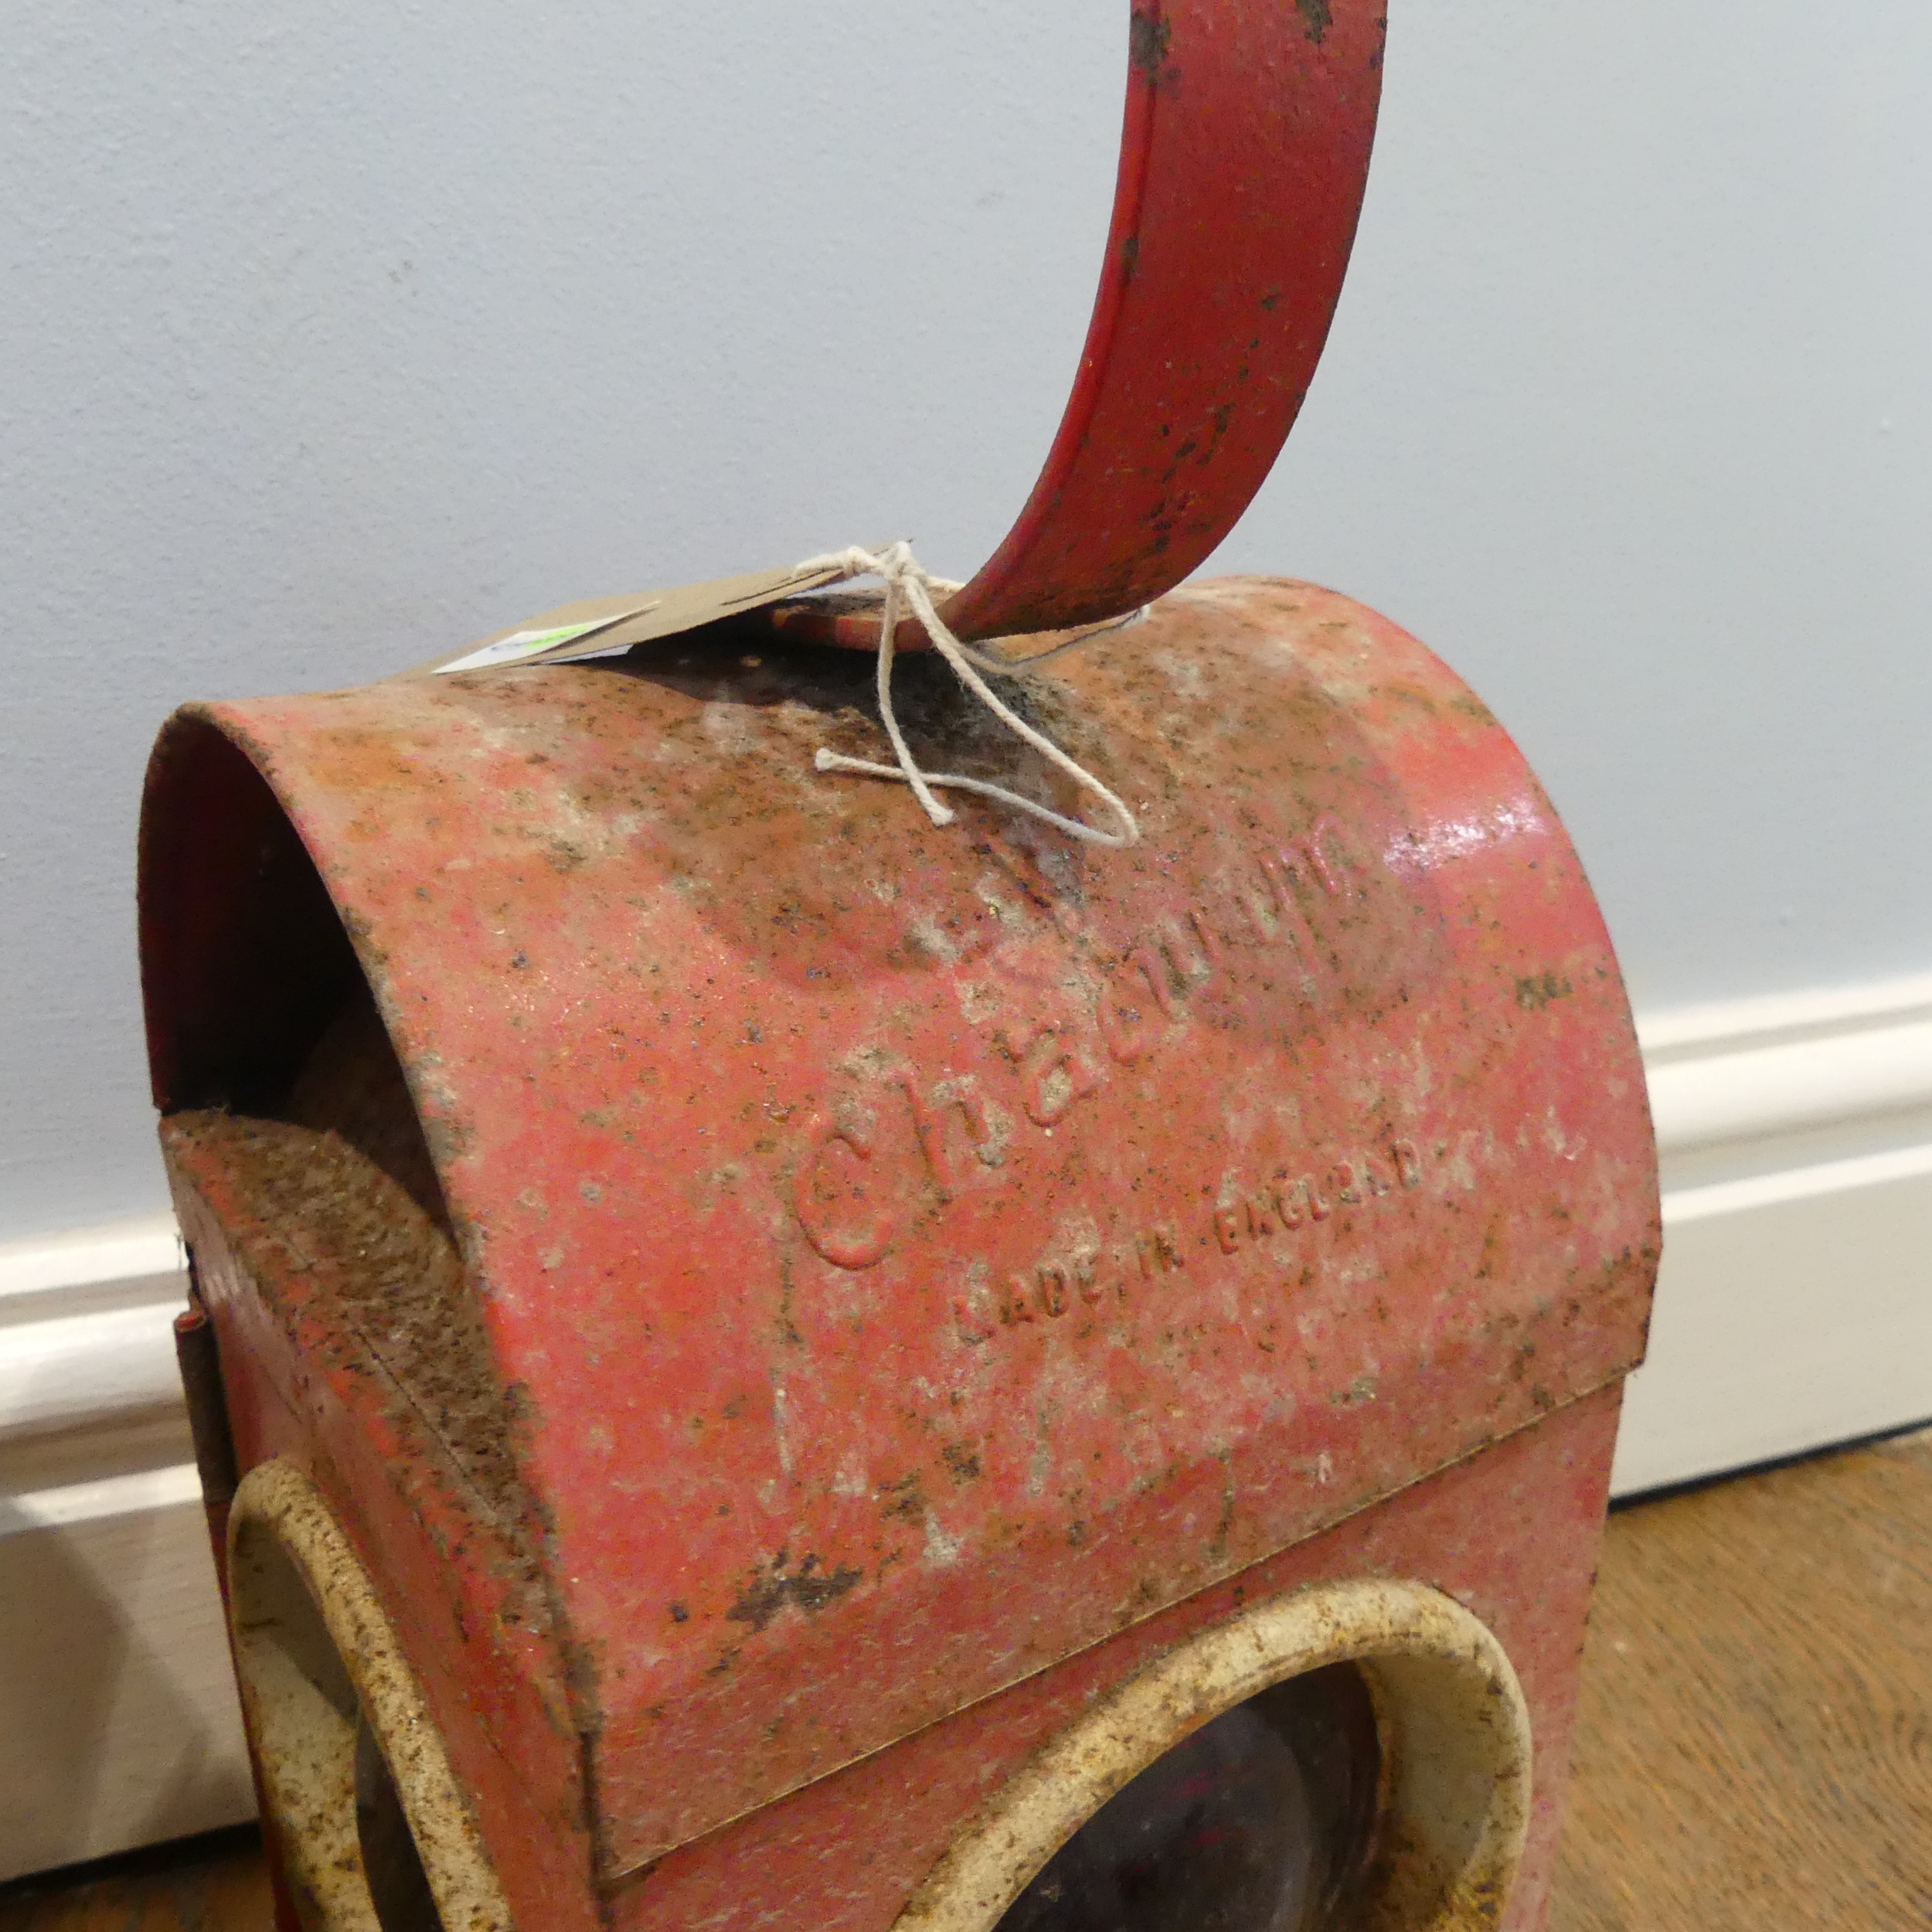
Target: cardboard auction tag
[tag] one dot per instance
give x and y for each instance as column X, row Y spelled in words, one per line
column 583, row 629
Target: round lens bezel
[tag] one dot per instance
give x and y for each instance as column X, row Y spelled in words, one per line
column 1455, row 1738
column 319, row 1663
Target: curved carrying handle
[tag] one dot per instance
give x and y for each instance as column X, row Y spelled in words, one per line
column 1243, row 164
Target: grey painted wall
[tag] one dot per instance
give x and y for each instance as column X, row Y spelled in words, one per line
column 330, row 337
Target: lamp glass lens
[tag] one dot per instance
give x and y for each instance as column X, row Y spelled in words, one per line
column 1261, row 1820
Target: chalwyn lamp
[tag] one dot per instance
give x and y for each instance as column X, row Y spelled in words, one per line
column 760, row 1362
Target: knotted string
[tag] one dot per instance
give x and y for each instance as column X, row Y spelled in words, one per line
column 909, row 583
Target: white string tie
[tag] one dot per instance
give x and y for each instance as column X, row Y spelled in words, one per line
column 908, row 582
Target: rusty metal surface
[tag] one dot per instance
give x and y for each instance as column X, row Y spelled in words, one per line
column 1244, row 158
column 869, row 1223
column 1512, row 1535
column 287, row 1286
column 354, row 1353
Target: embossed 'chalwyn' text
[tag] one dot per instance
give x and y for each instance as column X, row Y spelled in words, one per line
column 1141, row 998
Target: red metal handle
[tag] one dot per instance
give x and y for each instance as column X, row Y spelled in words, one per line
column 1244, row 161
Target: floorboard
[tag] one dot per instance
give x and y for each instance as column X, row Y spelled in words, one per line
column 1755, row 1748
column 210, row 1884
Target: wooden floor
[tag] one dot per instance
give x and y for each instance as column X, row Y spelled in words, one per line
column 1756, row 1744
column 212, row 1884
column 1755, row 1753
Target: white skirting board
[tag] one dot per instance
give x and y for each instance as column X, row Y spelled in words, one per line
column 1794, row 1310
column 1795, row 1307
column 116, row 1700
column 117, row 1705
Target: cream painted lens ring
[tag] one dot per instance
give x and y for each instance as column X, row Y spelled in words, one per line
column 316, row 1656
column 1455, row 1737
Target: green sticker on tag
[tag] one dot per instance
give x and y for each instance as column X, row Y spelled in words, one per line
column 518, row 645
